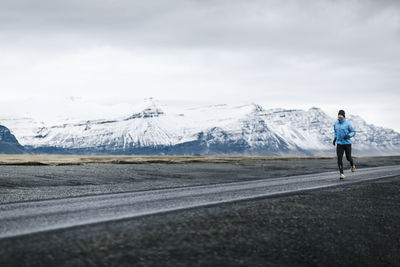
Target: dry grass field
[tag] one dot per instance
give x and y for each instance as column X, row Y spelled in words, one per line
column 58, row 160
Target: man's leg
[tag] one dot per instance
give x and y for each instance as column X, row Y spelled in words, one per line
column 349, row 157
column 348, row 154
column 339, row 153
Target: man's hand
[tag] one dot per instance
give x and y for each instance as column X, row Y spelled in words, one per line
column 334, row 142
column 346, row 137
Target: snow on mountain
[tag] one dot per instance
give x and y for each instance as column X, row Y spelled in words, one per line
column 140, row 129
column 375, row 140
column 309, row 130
column 23, row 128
column 213, row 129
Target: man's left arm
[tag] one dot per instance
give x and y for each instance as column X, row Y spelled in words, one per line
column 351, row 133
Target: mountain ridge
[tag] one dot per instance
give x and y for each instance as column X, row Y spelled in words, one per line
column 8, row 142
column 208, row 130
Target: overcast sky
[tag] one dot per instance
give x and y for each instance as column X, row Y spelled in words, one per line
column 290, row 54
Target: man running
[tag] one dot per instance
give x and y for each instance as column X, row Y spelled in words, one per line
column 343, row 132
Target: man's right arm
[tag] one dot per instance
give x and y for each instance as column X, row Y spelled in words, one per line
column 334, row 140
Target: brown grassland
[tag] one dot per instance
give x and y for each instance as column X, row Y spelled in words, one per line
column 56, row 160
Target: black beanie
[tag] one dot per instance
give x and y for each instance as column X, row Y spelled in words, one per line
column 341, row 112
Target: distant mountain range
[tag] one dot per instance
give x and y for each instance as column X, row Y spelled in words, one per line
column 208, row 130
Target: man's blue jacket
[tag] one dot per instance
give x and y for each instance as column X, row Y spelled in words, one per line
column 342, row 128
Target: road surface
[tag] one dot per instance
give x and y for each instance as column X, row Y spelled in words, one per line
column 23, row 218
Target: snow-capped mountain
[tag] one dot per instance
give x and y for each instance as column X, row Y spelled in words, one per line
column 8, row 142
column 208, row 130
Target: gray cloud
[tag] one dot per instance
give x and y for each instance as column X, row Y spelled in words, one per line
column 366, row 32
column 260, row 49
column 235, row 23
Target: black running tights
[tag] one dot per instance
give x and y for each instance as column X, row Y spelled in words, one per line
column 340, row 149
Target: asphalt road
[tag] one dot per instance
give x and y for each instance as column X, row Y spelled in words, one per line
column 23, row 218
column 32, row 183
